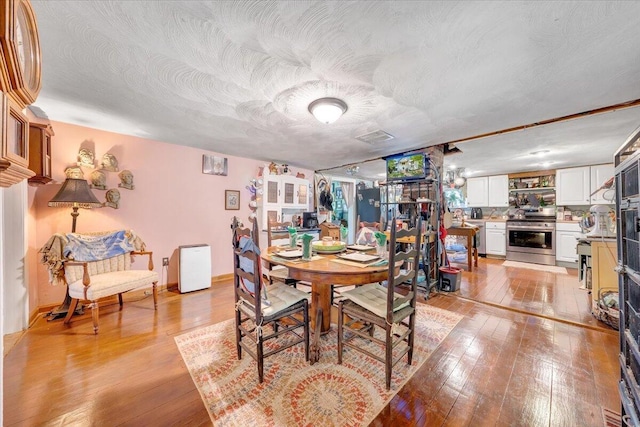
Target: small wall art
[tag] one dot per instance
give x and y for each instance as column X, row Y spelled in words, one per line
column 126, row 180
column 232, row 200
column 214, row 165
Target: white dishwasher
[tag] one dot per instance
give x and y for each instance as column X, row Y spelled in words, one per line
column 194, row 267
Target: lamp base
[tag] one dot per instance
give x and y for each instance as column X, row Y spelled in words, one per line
column 63, row 309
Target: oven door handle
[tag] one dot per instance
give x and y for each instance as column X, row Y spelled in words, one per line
column 528, row 227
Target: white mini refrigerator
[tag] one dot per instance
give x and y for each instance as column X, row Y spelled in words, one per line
column 194, row 267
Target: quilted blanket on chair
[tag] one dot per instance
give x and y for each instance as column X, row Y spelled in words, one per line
column 94, row 248
column 86, row 247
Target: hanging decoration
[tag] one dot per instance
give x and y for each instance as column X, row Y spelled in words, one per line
column 255, row 190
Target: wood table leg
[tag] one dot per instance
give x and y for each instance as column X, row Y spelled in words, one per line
column 314, row 350
column 321, row 300
column 469, row 252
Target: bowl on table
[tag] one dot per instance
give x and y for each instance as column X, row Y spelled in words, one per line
column 328, row 246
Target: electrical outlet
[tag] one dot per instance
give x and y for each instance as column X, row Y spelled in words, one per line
column 165, row 262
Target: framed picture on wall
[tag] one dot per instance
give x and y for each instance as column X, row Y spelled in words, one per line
column 232, row 200
column 214, row 165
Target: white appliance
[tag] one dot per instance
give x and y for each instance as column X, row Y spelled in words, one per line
column 194, row 267
column 603, row 225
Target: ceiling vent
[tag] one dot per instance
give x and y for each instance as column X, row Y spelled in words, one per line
column 375, row 137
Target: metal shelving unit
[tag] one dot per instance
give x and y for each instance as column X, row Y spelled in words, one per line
column 627, row 174
column 407, row 200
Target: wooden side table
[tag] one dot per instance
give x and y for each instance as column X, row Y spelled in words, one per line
column 472, row 251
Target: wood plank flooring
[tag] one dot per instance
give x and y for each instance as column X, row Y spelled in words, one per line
column 498, row 366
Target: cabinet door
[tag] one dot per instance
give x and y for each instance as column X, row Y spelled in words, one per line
column 478, row 192
column 572, row 186
column 599, row 175
column 566, row 242
column 496, row 241
column 272, row 191
column 303, row 194
column 498, row 190
column 288, row 193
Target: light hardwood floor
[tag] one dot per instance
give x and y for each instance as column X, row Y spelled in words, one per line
column 498, row 366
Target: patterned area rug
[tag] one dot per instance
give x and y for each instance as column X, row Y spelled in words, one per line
column 549, row 268
column 294, row 392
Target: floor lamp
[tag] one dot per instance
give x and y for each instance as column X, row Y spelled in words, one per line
column 74, row 193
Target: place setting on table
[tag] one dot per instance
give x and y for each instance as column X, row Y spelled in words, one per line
column 357, row 255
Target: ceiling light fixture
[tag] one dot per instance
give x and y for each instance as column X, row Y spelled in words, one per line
column 327, row 110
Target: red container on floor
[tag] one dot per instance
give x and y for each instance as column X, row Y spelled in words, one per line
column 450, row 278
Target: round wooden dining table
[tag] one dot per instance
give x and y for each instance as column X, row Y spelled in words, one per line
column 322, row 272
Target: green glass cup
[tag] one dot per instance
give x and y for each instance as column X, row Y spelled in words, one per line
column 306, row 246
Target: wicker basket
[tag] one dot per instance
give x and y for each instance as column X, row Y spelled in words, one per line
column 604, row 313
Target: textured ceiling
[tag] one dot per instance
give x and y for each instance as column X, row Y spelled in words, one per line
column 236, row 77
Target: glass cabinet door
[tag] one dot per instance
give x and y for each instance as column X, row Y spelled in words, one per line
column 303, row 191
column 289, row 191
column 272, row 192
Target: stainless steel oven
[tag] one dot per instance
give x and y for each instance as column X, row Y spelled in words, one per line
column 532, row 240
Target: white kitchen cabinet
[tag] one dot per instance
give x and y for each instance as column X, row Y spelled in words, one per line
column 573, row 186
column 567, row 235
column 499, row 191
column 599, row 175
column 487, row 191
column 286, row 190
column 478, row 192
column 495, row 238
column 282, row 197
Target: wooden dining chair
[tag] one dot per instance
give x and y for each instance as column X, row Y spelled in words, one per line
column 278, row 234
column 260, row 314
column 377, row 226
column 379, row 305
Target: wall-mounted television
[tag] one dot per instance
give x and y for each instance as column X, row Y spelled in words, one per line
column 405, row 167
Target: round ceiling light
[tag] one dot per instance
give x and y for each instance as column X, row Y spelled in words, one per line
column 327, row 110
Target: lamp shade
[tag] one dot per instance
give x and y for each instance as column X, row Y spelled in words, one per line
column 327, row 110
column 75, row 193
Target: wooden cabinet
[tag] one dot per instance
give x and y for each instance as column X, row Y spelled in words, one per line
column 603, row 263
column 40, row 153
column 567, row 235
column 14, row 142
column 573, row 186
column 498, row 191
column 478, row 192
column 330, row 230
column 495, row 238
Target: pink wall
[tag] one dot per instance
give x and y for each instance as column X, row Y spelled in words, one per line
column 173, row 203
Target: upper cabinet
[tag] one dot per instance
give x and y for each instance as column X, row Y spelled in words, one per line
column 283, row 195
column 498, row 190
column 40, row 153
column 488, row 191
column 478, row 191
column 286, row 190
column 575, row 185
column 599, row 175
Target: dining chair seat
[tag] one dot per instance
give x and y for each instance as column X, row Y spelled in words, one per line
column 373, row 297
